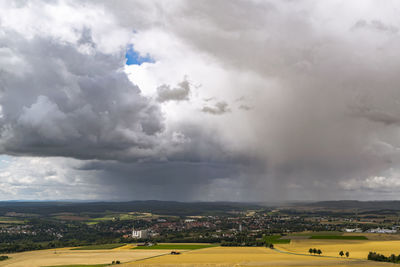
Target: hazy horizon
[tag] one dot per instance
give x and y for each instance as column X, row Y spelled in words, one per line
column 246, row 101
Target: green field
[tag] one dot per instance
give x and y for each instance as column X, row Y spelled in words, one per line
column 10, row 220
column 276, row 239
column 343, row 237
column 103, row 246
column 321, row 233
column 176, row 246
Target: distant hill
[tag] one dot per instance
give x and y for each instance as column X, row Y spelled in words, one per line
column 353, row 204
column 153, row 206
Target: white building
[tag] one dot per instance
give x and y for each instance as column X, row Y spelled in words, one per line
column 382, row 231
column 140, row 234
column 353, row 230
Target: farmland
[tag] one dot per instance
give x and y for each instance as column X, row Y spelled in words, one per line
column 343, row 237
column 230, row 236
column 357, row 248
column 67, row 256
column 176, row 246
column 103, row 246
column 293, row 254
column 247, row 256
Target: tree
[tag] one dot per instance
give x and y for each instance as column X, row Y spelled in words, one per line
column 347, row 254
column 392, row 258
column 314, row 250
column 341, row 253
column 310, row 251
column 319, row 252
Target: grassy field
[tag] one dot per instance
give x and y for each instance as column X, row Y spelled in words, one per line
column 343, row 237
column 324, row 233
column 10, row 220
column 176, row 246
column 276, row 239
column 102, row 246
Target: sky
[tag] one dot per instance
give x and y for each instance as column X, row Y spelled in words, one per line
column 239, row 100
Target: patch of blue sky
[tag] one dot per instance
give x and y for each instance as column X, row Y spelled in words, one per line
column 5, row 161
column 134, row 58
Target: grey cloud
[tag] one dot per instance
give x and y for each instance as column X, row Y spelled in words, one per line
column 375, row 25
column 161, row 180
column 66, row 103
column 376, row 115
column 218, row 109
column 244, row 107
column 180, row 93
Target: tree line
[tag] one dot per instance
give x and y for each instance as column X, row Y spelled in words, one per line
column 315, row 251
column 373, row 256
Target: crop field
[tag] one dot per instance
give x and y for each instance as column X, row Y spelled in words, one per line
column 343, row 237
column 294, row 253
column 246, row 256
column 80, row 265
column 103, row 246
column 358, row 249
column 176, row 246
column 68, row 257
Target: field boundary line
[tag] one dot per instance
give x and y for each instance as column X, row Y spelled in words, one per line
column 155, row 256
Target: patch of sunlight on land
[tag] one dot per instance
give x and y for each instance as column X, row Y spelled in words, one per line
column 66, row 256
column 245, row 256
column 357, row 248
column 127, row 246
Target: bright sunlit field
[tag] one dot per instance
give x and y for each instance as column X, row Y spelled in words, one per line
column 293, row 254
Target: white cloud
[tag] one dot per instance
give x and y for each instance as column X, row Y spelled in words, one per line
column 33, row 178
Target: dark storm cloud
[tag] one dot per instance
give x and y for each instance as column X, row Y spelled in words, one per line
column 161, row 180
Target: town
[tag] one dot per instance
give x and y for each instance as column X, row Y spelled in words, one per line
column 239, row 225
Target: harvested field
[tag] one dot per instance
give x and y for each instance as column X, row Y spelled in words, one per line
column 245, row 256
column 357, row 248
column 176, row 246
column 293, row 254
column 66, row 256
column 103, row 246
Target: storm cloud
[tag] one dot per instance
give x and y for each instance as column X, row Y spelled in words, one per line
column 318, row 116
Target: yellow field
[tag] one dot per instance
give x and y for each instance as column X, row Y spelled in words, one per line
column 246, row 256
column 357, row 248
column 66, row 256
column 284, row 255
column 128, row 246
